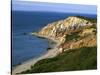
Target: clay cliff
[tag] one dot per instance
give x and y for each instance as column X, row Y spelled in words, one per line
column 72, row 32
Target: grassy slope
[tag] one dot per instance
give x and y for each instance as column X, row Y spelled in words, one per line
column 77, row 59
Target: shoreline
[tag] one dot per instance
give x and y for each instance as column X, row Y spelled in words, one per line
column 49, row 54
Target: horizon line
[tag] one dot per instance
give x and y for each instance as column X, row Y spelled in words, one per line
column 53, row 7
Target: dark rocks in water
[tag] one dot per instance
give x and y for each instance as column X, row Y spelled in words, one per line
column 49, row 48
column 24, row 33
column 41, row 37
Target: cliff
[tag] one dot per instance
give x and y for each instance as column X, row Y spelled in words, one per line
column 77, row 46
column 72, row 32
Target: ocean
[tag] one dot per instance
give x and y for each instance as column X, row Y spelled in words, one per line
column 26, row 46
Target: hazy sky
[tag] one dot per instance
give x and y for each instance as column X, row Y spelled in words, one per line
column 53, row 7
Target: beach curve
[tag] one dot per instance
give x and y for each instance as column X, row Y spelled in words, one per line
column 27, row 65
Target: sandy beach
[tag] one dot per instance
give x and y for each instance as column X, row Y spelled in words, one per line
column 27, row 65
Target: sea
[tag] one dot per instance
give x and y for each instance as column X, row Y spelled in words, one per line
column 26, row 46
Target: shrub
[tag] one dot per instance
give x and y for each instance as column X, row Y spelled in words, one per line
column 77, row 59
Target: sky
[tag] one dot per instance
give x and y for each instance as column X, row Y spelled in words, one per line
column 18, row 5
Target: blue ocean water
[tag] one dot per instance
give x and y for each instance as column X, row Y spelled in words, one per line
column 26, row 46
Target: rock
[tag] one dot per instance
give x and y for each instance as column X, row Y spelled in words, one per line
column 24, row 33
column 49, row 48
column 59, row 28
column 82, row 28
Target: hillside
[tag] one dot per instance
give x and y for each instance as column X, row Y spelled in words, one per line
column 76, row 59
column 59, row 28
column 77, row 49
column 72, row 32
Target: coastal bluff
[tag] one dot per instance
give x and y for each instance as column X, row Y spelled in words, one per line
column 71, row 33
column 75, row 38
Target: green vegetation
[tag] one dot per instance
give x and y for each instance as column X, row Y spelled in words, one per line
column 72, row 36
column 77, row 59
column 93, row 20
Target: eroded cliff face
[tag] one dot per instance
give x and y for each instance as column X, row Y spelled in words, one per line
column 59, row 28
column 72, row 32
